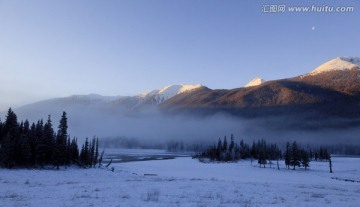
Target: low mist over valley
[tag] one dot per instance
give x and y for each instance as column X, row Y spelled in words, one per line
column 318, row 107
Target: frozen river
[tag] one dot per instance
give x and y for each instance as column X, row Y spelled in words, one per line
column 133, row 155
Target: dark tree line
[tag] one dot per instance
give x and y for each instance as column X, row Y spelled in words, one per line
column 265, row 153
column 37, row 145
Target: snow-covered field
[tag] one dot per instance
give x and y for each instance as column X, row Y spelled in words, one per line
column 184, row 182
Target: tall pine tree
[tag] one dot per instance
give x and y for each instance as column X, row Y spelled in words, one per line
column 10, row 148
column 287, row 155
column 74, row 151
column 232, row 143
column 225, row 145
column 46, row 144
column 305, row 158
column 1, row 131
column 295, row 156
column 61, row 142
column 96, row 152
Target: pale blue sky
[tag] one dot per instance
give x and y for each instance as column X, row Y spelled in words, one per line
column 59, row 48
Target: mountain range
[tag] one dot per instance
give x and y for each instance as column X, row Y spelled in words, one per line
column 328, row 96
column 331, row 88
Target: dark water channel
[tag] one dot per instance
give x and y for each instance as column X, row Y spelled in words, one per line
column 135, row 155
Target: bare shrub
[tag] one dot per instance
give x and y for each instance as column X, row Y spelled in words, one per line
column 152, row 195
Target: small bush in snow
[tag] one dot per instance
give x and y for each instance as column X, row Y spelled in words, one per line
column 152, row 195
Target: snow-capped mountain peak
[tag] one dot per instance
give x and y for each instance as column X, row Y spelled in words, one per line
column 255, row 82
column 148, row 93
column 339, row 63
column 167, row 92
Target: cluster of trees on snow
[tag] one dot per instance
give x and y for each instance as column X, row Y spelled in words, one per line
column 89, row 154
column 37, row 145
column 296, row 156
column 265, row 153
column 230, row 151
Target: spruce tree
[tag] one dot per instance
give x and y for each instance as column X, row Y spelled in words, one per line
column 316, row 155
column 253, row 152
column 32, row 142
column 272, row 153
column 219, row 150
column 326, row 155
column 311, row 154
column 63, row 126
column 245, row 151
column 278, row 157
column 68, row 151
column 1, row 131
column 90, row 157
column 232, row 143
column 295, row 156
column 39, row 129
column 96, row 152
column 87, row 154
column 92, row 152
column 231, row 154
column 287, row 155
column 61, row 142
column 10, row 149
column 26, row 128
column 46, row 143
column 11, row 126
column 84, row 154
column 262, row 153
column 38, row 135
column 74, row 151
column 305, row 158
column 330, row 164
column 224, row 148
column 241, row 149
column 21, row 127
column 236, row 152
